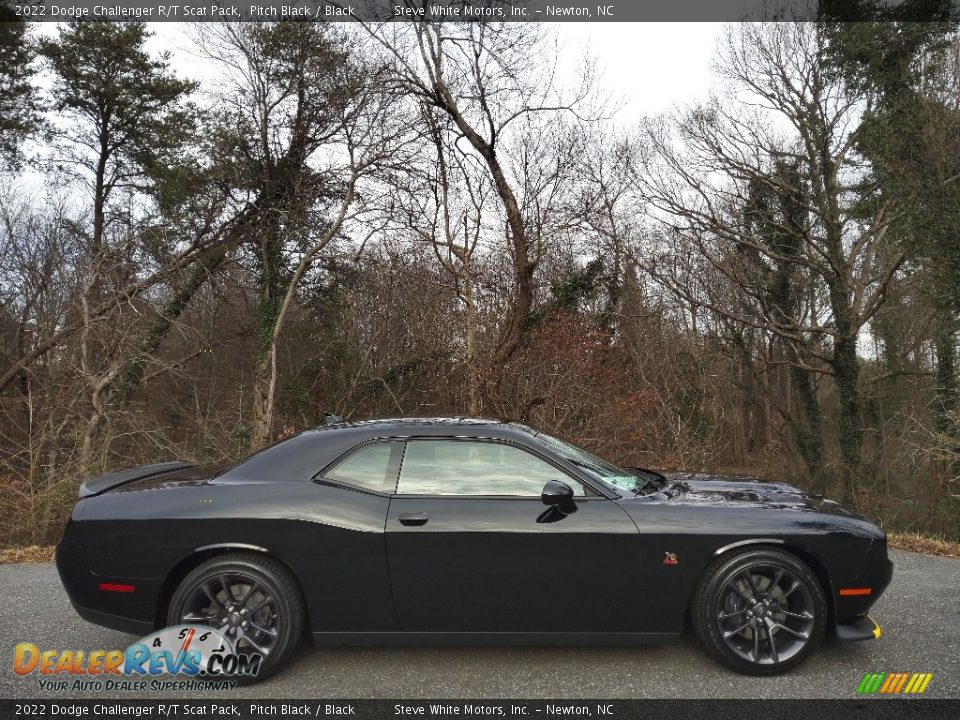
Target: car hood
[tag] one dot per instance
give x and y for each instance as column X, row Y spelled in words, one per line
column 747, row 491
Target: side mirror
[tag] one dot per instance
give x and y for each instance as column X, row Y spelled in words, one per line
column 558, row 494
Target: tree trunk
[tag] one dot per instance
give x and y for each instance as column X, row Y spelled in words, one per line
column 945, row 405
column 513, row 332
column 276, row 298
column 206, row 265
column 846, row 377
column 808, row 431
column 49, row 496
column 100, row 191
column 523, row 267
column 92, row 292
column 264, row 385
column 470, row 319
column 265, row 373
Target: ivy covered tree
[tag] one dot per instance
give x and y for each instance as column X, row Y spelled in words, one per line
column 301, row 121
column 904, row 57
column 776, row 215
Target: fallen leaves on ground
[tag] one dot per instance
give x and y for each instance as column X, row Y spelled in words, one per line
column 924, row 544
column 34, row 554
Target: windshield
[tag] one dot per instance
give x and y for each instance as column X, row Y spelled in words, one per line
column 607, row 473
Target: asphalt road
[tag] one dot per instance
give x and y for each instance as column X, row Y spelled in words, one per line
column 920, row 616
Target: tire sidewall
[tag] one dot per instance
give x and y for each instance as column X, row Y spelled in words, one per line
column 716, row 579
column 289, row 604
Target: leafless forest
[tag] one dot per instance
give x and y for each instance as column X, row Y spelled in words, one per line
column 427, row 219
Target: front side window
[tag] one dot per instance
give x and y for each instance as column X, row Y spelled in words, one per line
column 600, row 469
column 463, row 467
column 368, row 468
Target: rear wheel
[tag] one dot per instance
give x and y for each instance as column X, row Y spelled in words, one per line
column 252, row 599
column 759, row 611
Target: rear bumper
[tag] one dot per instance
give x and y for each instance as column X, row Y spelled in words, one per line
column 114, row 622
column 132, row 612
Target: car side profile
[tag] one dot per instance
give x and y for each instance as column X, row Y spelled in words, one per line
column 468, row 531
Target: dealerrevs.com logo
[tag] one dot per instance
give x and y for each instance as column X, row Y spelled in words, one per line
column 206, row 657
column 894, row 683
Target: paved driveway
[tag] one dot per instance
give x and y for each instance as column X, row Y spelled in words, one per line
column 920, row 615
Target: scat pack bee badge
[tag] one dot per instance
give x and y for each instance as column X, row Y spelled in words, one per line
column 190, row 650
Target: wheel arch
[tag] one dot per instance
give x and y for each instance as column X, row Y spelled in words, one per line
column 774, row 542
column 802, row 554
column 820, row 572
column 200, row 555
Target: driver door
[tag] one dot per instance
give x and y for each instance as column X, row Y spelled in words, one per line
column 472, row 548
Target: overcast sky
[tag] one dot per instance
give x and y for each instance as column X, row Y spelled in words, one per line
column 647, row 67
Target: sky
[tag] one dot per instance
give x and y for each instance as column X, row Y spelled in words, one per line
column 649, row 66
column 645, row 67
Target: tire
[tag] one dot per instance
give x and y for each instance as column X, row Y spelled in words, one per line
column 749, row 601
column 239, row 581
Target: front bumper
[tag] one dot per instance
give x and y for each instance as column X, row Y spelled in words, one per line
column 852, row 620
column 876, row 576
column 861, row 629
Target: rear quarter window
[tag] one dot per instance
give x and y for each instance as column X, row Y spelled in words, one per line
column 367, row 467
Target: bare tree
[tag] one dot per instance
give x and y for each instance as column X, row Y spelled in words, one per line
column 487, row 78
column 782, row 110
column 609, row 208
column 443, row 201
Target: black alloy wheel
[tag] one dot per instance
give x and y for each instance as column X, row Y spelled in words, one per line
column 759, row 611
column 251, row 599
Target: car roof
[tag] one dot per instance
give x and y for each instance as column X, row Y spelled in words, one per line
column 301, row 456
column 413, row 423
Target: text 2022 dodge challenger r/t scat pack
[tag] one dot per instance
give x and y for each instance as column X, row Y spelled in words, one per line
column 468, row 531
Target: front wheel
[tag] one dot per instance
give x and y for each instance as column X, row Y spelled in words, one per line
column 251, row 599
column 759, row 611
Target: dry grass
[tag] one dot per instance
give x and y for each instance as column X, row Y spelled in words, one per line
column 34, row 553
column 924, row 544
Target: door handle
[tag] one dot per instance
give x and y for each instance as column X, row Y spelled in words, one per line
column 414, row 519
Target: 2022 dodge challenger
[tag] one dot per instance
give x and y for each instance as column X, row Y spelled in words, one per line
column 467, row 531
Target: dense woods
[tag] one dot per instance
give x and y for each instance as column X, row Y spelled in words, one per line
column 427, row 219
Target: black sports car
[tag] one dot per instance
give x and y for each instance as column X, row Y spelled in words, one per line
column 468, row 531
